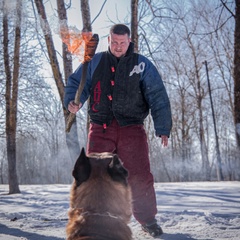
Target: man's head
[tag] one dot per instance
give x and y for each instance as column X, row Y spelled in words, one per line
column 119, row 40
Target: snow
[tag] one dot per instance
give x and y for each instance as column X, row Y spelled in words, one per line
column 193, row 210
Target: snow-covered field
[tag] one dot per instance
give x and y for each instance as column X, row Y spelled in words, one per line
column 196, row 210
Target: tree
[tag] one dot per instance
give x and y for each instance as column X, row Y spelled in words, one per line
column 85, row 10
column 178, row 37
column 178, row 42
column 11, row 95
column 67, row 59
column 134, row 24
column 237, row 72
column 71, row 137
column 236, row 75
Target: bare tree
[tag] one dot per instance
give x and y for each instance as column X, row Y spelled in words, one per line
column 50, row 47
column 177, row 41
column 71, row 137
column 67, row 58
column 236, row 75
column 85, row 10
column 134, row 24
column 237, row 72
column 11, row 95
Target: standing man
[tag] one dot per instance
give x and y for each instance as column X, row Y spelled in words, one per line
column 123, row 86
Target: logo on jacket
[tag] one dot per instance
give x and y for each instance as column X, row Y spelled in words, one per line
column 137, row 69
column 96, row 96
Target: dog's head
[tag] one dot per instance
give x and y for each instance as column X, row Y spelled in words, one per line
column 100, row 164
column 100, row 197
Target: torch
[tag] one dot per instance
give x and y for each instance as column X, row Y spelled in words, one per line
column 91, row 43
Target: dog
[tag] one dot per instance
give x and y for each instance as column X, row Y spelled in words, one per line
column 100, row 199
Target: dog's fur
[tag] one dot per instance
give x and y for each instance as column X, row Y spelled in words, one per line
column 100, row 199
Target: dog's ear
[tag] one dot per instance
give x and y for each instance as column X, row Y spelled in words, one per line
column 117, row 171
column 82, row 168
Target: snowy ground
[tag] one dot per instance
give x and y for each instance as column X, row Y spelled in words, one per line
column 198, row 210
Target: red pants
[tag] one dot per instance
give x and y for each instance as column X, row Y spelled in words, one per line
column 130, row 143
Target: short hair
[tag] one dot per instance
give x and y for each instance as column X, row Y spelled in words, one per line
column 120, row 29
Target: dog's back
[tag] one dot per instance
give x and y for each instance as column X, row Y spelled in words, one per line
column 100, row 203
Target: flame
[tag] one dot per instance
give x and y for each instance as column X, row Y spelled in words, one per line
column 76, row 41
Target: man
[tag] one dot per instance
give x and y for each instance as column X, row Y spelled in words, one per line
column 123, row 86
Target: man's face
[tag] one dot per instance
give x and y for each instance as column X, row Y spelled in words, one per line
column 118, row 44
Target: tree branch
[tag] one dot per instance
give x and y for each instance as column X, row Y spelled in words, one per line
column 225, row 5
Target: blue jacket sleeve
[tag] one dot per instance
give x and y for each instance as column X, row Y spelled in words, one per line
column 75, row 79
column 156, row 96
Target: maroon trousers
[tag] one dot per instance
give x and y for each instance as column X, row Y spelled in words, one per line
column 130, row 143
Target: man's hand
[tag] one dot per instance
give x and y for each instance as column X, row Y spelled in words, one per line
column 74, row 108
column 164, row 140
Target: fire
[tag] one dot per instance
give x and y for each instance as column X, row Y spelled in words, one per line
column 76, row 41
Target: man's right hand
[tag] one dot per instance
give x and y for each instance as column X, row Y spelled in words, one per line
column 74, row 108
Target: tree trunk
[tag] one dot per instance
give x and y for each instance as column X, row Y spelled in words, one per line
column 237, row 72
column 50, row 47
column 11, row 97
column 184, row 151
column 67, row 57
column 87, row 27
column 71, row 137
column 219, row 159
column 86, row 17
column 203, row 146
column 134, row 24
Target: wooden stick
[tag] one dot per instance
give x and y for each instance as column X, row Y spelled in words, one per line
column 89, row 51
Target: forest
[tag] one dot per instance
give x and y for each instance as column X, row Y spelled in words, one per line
column 195, row 45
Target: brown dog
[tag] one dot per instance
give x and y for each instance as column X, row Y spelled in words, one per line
column 100, row 199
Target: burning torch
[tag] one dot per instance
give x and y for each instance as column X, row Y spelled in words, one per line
column 91, row 43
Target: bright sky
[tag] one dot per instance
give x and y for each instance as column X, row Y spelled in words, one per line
column 114, row 11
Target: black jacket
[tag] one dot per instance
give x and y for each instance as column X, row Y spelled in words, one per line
column 125, row 88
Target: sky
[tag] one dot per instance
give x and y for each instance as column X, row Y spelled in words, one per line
column 186, row 211
column 113, row 11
